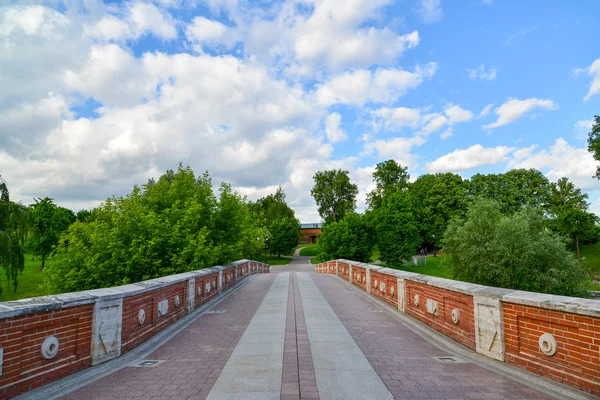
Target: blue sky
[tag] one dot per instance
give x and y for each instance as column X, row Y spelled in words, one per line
column 98, row 96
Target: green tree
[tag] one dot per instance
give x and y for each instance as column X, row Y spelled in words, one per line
column 47, row 221
column 388, row 177
column 594, row 142
column 334, row 194
column 351, row 238
column 397, row 232
column 13, row 224
column 436, row 199
column 512, row 190
column 513, row 251
column 568, row 208
column 283, row 235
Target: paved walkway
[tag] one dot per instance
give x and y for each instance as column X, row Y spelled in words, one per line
column 295, row 334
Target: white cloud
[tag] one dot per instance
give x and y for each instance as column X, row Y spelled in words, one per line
column 430, row 11
column 399, row 117
column 593, row 71
column 457, row 114
column 481, row 73
column 472, row 157
column 147, row 18
column 433, row 122
column 582, row 128
column 397, row 148
column 332, row 128
column 562, row 160
column 110, row 27
column 205, row 31
column 515, row 108
column 485, row 111
column 381, row 86
column 446, row 134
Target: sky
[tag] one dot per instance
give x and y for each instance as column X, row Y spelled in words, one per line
column 98, row 96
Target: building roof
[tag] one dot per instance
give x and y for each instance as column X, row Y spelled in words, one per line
column 311, row 226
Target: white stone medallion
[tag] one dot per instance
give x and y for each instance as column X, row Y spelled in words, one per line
column 416, row 300
column 207, row 288
column 177, row 301
column 163, row 307
column 141, row 316
column 50, row 347
column 548, row 344
column 455, row 315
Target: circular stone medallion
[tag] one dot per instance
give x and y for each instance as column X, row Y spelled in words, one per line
column 50, row 347
column 455, row 315
column 548, row 344
column 416, row 300
column 177, row 301
column 141, row 316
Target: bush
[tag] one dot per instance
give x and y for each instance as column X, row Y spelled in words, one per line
column 352, row 238
column 514, row 251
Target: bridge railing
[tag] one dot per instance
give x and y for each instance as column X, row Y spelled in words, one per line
column 46, row 338
column 554, row 336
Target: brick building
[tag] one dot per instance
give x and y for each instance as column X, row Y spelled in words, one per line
column 309, row 232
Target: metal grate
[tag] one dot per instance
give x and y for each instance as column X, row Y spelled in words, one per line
column 216, row 312
column 148, row 363
column 450, row 360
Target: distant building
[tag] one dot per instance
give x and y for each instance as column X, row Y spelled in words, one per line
column 310, row 233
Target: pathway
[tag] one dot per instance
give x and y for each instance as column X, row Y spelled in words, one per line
column 295, row 334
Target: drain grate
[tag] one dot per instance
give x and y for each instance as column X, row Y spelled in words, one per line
column 216, row 312
column 148, row 363
column 450, row 360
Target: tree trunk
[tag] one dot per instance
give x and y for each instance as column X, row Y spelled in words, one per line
column 577, row 245
column 43, row 262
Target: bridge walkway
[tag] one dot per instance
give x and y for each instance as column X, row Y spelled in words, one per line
column 295, row 334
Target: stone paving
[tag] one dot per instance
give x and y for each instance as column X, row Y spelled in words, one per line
column 371, row 352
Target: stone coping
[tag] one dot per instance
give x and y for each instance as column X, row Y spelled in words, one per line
column 32, row 305
column 573, row 305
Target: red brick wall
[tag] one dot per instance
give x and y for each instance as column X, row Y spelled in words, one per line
column 389, row 294
column 212, row 280
column 133, row 334
column 331, row 267
column 243, row 270
column 228, row 278
column 343, row 270
column 359, row 277
column 577, row 360
column 463, row 332
column 24, row 367
column 253, row 267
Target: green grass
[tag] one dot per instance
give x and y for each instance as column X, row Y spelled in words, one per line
column 29, row 282
column 591, row 252
column 434, row 268
column 273, row 260
column 310, row 251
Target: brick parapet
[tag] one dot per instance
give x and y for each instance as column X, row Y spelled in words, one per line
column 554, row 336
column 46, row 338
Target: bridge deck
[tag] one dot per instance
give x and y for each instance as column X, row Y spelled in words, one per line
column 294, row 334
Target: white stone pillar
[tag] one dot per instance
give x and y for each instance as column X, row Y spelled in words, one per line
column 337, row 267
column 489, row 332
column 106, row 330
column 220, row 281
column 368, row 279
column 349, row 272
column 191, row 295
column 401, row 295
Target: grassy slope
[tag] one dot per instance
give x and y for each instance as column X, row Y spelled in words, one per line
column 273, row 260
column 29, row 281
column 310, row 251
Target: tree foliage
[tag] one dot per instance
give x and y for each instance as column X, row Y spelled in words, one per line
column 436, row 199
column 13, row 225
column 171, row 225
column 351, row 238
column 397, row 232
column 388, row 177
column 594, row 142
column 334, row 194
column 514, row 251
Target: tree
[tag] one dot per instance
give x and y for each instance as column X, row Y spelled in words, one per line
column 436, row 199
column 513, row 251
column 397, row 232
column 594, row 142
column 569, row 213
column 351, row 238
column 13, row 223
column 334, row 194
column 47, row 223
column 283, row 235
column 512, row 190
column 388, row 177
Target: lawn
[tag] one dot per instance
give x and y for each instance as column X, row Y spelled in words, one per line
column 310, row 251
column 273, row 260
column 29, row 281
column 591, row 252
column 434, row 268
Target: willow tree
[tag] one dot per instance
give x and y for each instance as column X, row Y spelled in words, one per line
column 13, row 221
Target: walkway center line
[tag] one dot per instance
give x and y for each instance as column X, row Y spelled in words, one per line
column 342, row 370
column 254, row 368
